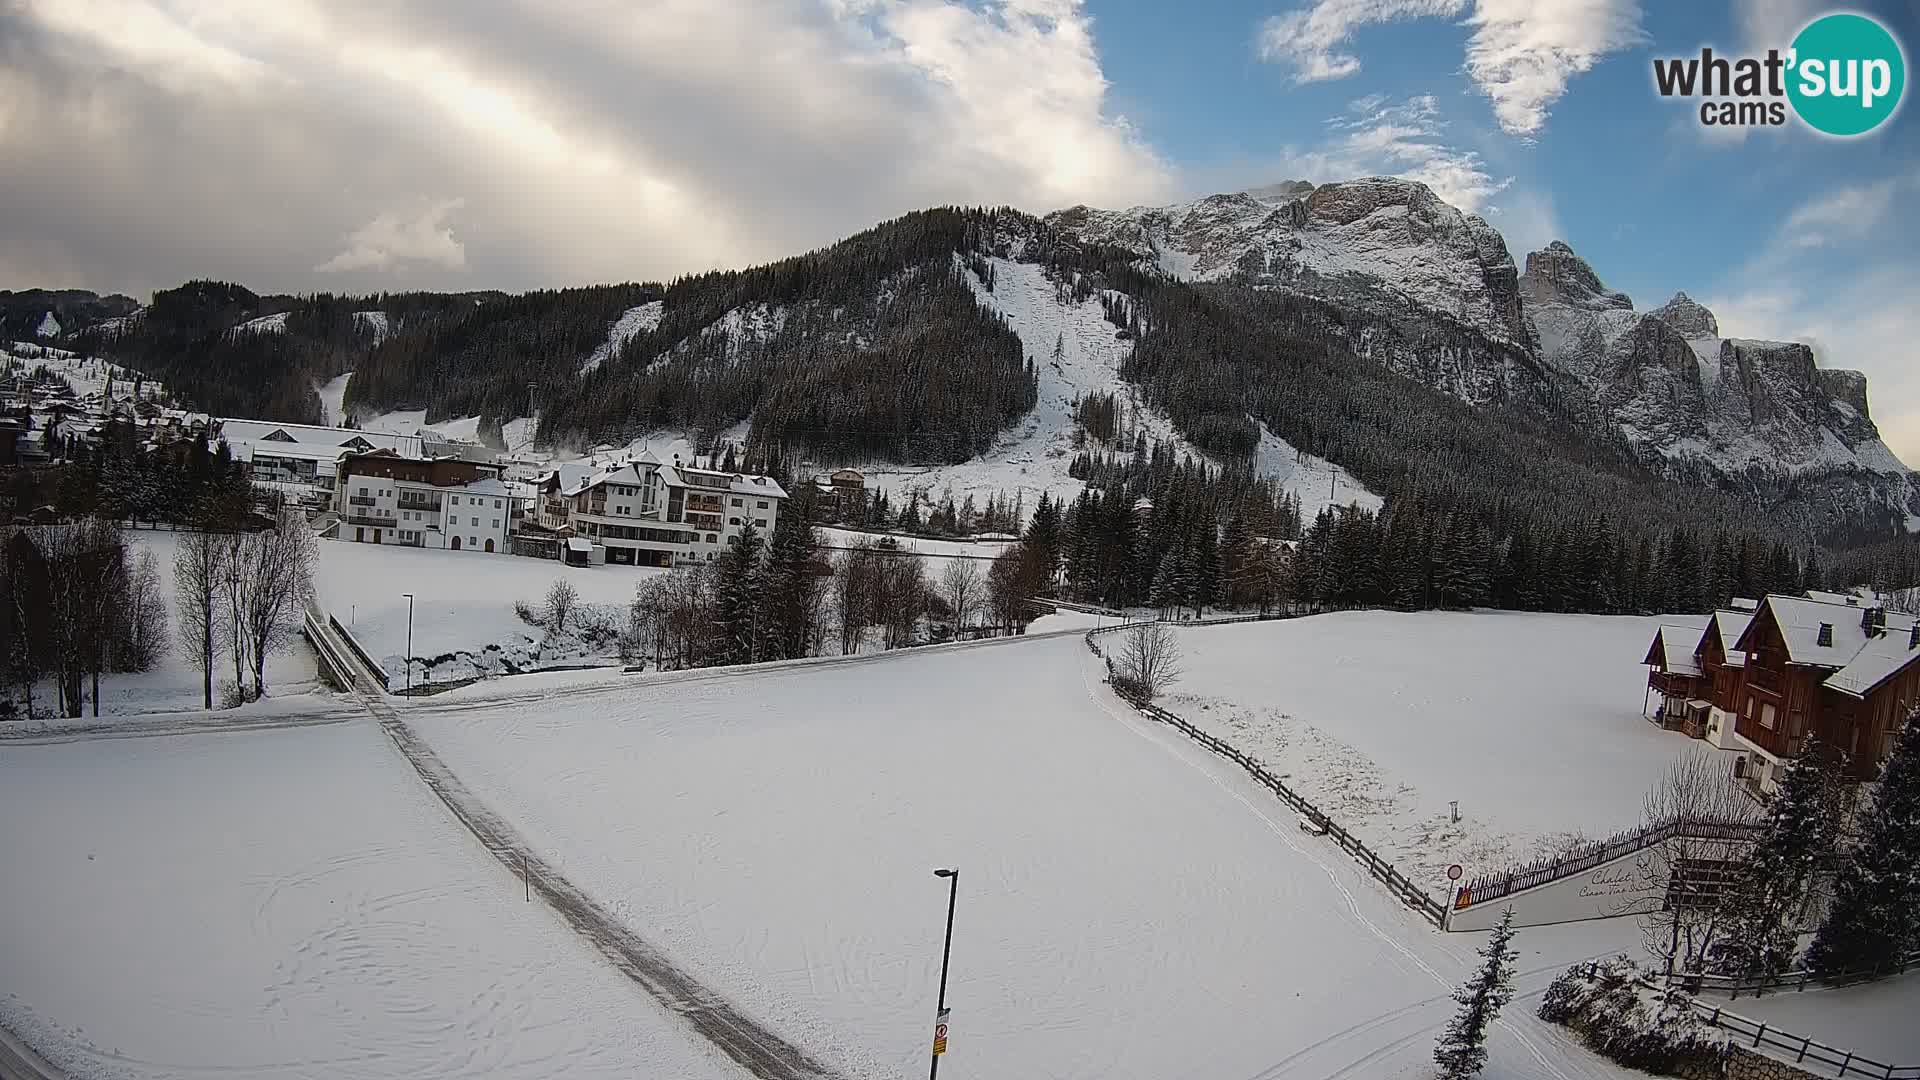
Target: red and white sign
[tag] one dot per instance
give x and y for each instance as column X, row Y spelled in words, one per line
column 1454, row 872
column 940, row 1033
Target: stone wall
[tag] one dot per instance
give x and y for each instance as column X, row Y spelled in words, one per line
column 1745, row 1064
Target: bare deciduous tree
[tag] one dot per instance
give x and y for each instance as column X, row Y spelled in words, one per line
column 562, row 598
column 199, row 567
column 1687, row 873
column 145, row 616
column 278, row 566
column 854, row 586
column 1149, row 659
column 960, row 582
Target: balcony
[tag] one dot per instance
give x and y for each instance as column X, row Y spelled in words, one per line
column 378, row 521
column 363, row 500
column 429, row 505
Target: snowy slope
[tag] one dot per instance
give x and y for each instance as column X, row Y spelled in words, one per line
column 1319, row 483
column 265, row 324
column 49, row 326
column 1034, row 455
column 86, row 375
column 634, row 320
column 1383, row 718
column 1127, row 908
column 287, row 905
column 333, row 395
column 375, row 322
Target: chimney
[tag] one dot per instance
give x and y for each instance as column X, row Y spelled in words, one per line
column 1873, row 620
column 1825, row 638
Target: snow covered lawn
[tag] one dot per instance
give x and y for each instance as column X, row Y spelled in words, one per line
column 1128, row 907
column 1531, row 721
column 288, row 904
column 463, row 601
column 1874, row 1020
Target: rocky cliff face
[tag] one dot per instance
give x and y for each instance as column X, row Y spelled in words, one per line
column 1384, row 246
column 1459, row 316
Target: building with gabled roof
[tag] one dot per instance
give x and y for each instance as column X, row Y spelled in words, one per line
column 646, row 512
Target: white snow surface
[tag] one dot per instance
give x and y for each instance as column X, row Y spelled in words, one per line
column 1034, row 455
column 333, row 396
column 1318, row 482
column 1128, row 906
column 265, row 324
column 49, row 326
column 1532, row 721
column 414, row 421
column 1874, row 1020
column 376, row 321
column 463, row 603
column 634, row 320
column 286, row 905
column 86, row 376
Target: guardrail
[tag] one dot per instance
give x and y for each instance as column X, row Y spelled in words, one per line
column 317, row 618
column 1489, row 887
column 1796, row 980
column 1383, row 871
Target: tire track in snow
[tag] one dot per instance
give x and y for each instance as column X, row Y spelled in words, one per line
column 755, row 1047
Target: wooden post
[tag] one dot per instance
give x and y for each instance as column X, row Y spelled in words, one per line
column 526, row 879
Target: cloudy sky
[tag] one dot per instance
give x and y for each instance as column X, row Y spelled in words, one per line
column 360, row 145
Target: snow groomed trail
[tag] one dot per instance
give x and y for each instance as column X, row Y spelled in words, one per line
column 753, row 1046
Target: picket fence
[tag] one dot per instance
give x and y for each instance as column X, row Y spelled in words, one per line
column 1310, row 815
column 1493, row 886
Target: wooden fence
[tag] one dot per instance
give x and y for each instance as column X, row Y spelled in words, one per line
column 1311, row 816
column 1796, row 980
column 1489, row 887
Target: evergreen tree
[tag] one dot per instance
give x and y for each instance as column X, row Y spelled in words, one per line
column 1462, row 1051
column 1044, row 542
column 1776, row 878
column 1874, row 920
column 787, row 581
column 737, row 598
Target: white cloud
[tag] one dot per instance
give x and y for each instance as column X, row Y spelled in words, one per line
column 1527, row 219
column 152, row 141
column 1308, row 40
column 393, row 240
column 1407, row 139
column 1843, row 214
column 1521, row 53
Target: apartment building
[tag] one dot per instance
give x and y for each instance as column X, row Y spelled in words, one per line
column 382, row 497
column 646, row 512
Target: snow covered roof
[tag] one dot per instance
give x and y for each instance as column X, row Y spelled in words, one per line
column 1676, row 643
column 242, row 435
column 1741, row 603
column 486, row 486
column 576, row 543
column 1800, row 620
column 1880, row 659
column 1730, row 625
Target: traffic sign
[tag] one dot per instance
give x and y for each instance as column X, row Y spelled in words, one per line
column 1454, row 872
column 940, row 1033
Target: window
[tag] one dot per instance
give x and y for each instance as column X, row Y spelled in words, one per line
column 762, row 504
column 1766, row 717
column 472, row 541
column 733, row 521
column 496, row 523
column 711, row 539
column 496, row 504
column 760, row 523
column 454, row 499
column 476, row 523
column 734, row 540
column 736, row 502
column 363, row 489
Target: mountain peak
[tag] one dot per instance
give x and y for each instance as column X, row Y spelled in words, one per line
column 1555, row 275
column 1687, row 317
column 1279, row 194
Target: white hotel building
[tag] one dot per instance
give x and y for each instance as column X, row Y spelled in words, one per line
column 649, row 513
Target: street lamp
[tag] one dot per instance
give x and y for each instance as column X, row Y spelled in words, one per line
column 946, row 954
column 409, row 597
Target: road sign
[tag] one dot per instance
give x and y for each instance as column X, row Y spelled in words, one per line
column 940, row 1033
column 1454, row 872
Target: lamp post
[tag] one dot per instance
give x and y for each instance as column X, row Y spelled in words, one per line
column 946, row 954
column 409, row 597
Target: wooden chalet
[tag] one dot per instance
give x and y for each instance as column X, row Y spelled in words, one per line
column 1842, row 669
column 1673, row 674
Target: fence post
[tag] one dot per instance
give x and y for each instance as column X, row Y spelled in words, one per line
column 1758, row 1034
column 1804, row 1043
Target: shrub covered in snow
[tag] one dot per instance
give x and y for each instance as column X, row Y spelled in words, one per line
column 1632, row 1023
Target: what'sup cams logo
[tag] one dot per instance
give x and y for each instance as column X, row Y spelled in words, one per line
column 1843, row 75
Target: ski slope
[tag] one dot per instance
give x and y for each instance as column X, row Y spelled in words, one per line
column 1530, row 721
column 287, row 905
column 1127, row 907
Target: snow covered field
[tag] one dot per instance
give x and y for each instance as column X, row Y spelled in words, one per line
column 1531, row 721
column 1127, row 907
column 288, row 904
column 463, row 600
column 1874, row 1020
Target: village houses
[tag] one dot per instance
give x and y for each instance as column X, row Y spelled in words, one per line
column 645, row 512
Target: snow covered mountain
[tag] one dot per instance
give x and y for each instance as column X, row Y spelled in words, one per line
column 1750, row 414
column 1676, row 387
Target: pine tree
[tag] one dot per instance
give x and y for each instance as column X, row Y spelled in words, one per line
column 1776, row 878
column 1462, row 1051
column 786, row 581
column 1874, row 920
column 736, row 601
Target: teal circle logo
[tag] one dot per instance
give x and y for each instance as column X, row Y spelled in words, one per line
column 1846, row 75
